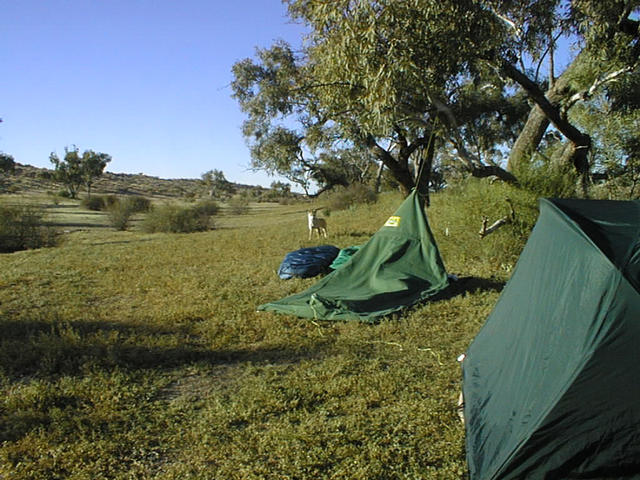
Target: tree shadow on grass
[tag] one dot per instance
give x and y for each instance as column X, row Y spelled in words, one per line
column 123, row 242
column 45, row 349
column 42, row 350
column 465, row 285
column 83, row 225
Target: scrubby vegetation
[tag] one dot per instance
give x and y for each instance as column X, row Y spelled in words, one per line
column 238, row 205
column 177, row 219
column 138, row 355
column 22, row 227
column 341, row 198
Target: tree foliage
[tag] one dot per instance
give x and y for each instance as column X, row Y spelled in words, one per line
column 7, row 166
column 217, row 184
column 281, row 189
column 75, row 170
column 416, row 81
column 7, row 163
column 613, row 120
column 411, row 61
column 282, row 128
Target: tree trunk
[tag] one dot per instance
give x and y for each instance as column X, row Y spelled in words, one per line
column 485, row 171
column 545, row 111
column 577, row 155
column 379, row 177
column 528, row 140
column 399, row 170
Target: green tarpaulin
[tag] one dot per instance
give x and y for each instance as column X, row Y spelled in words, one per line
column 399, row 266
column 551, row 382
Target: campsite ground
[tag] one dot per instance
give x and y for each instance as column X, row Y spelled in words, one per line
column 135, row 355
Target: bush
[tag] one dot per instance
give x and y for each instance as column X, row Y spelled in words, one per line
column 95, row 203
column 21, row 228
column 208, row 207
column 55, row 199
column 547, row 178
column 138, row 204
column 342, row 198
column 110, row 201
column 175, row 219
column 120, row 214
column 238, row 205
column 457, row 213
column 117, row 206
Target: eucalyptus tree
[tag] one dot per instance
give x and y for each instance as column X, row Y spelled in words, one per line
column 613, row 120
column 294, row 129
column 93, row 165
column 216, row 183
column 75, row 170
column 7, row 166
column 343, row 166
column 7, row 163
column 398, row 77
column 605, row 49
column 287, row 131
column 400, row 68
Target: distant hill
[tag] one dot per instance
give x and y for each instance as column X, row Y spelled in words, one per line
column 27, row 178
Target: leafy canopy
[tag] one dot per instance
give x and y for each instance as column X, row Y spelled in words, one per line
column 75, row 170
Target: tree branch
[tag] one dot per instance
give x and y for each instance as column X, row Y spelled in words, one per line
column 589, row 92
column 511, row 217
column 551, row 111
column 507, row 21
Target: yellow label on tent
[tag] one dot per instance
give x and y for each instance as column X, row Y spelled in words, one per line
column 393, row 222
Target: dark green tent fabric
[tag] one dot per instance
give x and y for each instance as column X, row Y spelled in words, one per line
column 399, row 266
column 551, row 382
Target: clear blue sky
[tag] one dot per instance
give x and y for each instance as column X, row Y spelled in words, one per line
column 144, row 81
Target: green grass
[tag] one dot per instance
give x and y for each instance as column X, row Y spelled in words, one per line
column 132, row 355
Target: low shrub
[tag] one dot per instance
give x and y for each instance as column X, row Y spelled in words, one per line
column 138, row 204
column 190, row 196
column 548, row 178
column 111, row 200
column 120, row 214
column 117, row 207
column 456, row 217
column 95, row 203
column 208, row 207
column 238, row 205
column 342, row 198
column 22, row 228
column 176, row 219
column 55, row 199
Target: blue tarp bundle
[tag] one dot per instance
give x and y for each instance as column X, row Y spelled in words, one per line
column 307, row 262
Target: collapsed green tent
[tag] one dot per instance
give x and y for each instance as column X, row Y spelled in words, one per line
column 399, row 266
column 551, row 383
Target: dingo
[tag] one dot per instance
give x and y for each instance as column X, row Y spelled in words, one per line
column 316, row 223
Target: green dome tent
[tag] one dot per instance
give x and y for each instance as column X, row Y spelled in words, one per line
column 551, row 383
column 399, row 266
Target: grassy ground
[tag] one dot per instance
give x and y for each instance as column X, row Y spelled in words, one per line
column 130, row 355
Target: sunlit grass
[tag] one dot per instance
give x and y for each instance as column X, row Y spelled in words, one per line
column 133, row 355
